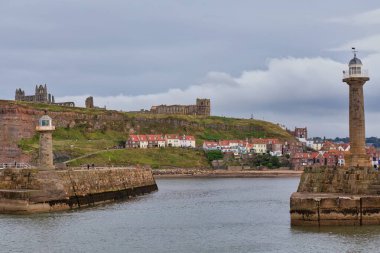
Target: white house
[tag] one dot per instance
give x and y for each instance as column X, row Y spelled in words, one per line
column 143, row 141
column 172, row 140
column 317, row 146
column 187, row 141
column 259, row 146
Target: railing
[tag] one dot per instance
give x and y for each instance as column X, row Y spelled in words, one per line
column 15, row 165
column 363, row 73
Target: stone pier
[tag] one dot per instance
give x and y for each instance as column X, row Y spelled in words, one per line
column 24, row 191
column 336, row 196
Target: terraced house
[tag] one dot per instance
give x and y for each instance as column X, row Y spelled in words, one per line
column 160, row 141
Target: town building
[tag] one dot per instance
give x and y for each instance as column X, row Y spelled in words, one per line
column 210, row 145
column 133, row 141
column 155, row 141
column 160, row 141
column 300, row 133
column 259, row 146
column 143, row 141
column 173, row 140
column 187, row 141
column 242, row 147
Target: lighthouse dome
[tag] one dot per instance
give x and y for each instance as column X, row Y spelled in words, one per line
column 355, row 61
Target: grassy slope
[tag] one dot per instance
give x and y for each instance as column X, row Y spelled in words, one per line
column 176, row 157
column 79, row 141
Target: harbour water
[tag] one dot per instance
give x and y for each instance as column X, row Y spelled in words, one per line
column 186, row 215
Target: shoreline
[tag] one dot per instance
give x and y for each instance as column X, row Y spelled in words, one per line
column 190, row 173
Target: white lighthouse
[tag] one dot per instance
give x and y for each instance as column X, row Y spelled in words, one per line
column 45, row 128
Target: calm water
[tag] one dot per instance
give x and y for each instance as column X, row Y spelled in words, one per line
column 186, row 215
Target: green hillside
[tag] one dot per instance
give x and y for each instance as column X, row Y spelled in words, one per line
column 157, row 158
column 83, row 138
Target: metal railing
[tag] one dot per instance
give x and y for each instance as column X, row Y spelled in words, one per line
column 15, row 166
column 363, row 73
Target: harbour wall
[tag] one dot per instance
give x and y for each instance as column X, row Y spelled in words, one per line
column 32, row 190
column 336, row 196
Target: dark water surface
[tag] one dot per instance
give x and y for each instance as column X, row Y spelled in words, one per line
column 186, row 215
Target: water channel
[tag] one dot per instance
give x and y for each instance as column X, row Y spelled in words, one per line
column 186, row 215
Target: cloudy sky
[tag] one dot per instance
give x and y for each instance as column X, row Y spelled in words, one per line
column 281, row 61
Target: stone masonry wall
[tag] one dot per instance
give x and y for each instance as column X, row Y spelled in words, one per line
column 336, row 196
column 340, row 180
column 33, row 190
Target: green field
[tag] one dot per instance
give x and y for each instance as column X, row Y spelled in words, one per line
column 157, row 158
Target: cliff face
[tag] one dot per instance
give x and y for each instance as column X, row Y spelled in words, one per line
column 15, row 123
column 18, row 121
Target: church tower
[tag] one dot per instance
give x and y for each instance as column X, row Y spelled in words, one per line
column 356, row 77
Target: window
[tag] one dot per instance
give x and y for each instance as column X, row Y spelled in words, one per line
column 45, row 122
column 354, row 70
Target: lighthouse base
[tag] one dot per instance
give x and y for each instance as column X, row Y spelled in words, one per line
column 336, row 196
column 358, row 160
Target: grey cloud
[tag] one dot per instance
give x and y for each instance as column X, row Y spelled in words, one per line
column 131, row 54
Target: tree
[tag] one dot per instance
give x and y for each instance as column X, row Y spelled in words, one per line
column 214, row 155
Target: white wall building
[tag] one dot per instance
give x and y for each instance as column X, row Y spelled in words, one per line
column 187, row 141
column 172, row 140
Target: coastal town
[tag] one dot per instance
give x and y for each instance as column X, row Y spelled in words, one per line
column 304, row 152
column 296, row 154
column 190, row 126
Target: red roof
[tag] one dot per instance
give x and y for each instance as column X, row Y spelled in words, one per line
column 143, row 138
column 172, row 136
column 154, row 137
column 189, row 138
column 259, row 141
column 134, row 138
column 210, row 143
column 224, row 143
column 265, row 141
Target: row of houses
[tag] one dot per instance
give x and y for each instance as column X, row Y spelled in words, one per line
column 321, row 158
column 160, row 141
column 334, row 156
column 239, row 147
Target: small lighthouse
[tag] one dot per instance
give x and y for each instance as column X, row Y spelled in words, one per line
column 45, row 128
column 356, row 77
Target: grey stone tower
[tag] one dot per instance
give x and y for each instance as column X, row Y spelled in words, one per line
column 45, row 128
column 356, row 77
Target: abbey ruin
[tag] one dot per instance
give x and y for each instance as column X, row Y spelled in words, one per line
column 41, row 95
column 202, row 107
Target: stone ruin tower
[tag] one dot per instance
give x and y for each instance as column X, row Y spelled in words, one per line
column 45, row 128
column 89, row 102
column 356, row 77
column 203, row 107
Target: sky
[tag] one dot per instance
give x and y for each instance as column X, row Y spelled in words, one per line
column 280, row 61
